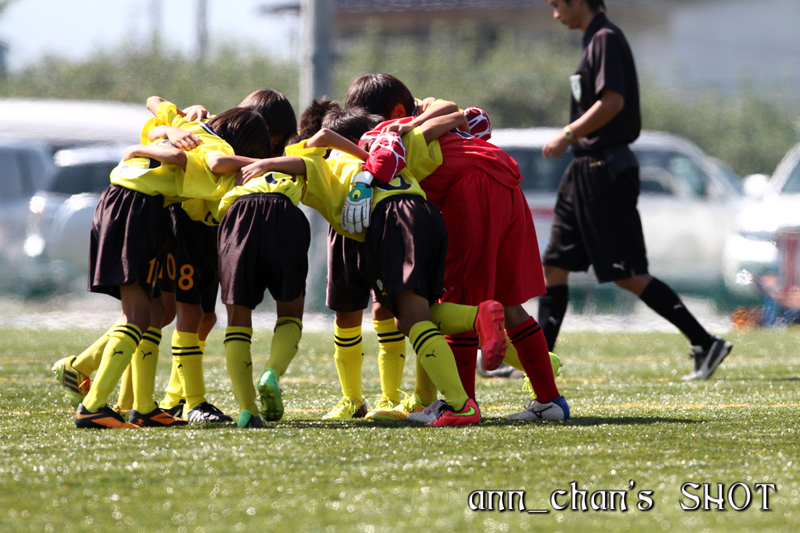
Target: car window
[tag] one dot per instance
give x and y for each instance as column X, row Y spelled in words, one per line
column 87, row 177
column 691, row 178
column 539, row 174
column 792, row 185
column 10, row 174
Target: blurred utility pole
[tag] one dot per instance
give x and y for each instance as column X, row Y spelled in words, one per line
column 316, row 45
column 155, row 24
column 316, row 50
column 202, row 30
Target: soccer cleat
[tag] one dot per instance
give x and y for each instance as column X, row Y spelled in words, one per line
column 707, row 361
column 75, row 384
column 490, row 325
column 347, row 408
column 558, row 409
column 176, row 410
column 271, row 403
column 383, row 405
column 503, row 371
column 157, row 418
column 206, row 412
column 409, row 404
column 249, row 420
column 104, row 418
column 427, row 415
column 469, row 415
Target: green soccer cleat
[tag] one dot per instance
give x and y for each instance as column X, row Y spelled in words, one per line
column 249, row 420
column 383, row 405
column 271, row 403
column 556, row 363
column 346, row 409
column 75, row 384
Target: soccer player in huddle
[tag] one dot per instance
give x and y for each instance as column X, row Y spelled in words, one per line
column 127, row 245
column 406, row 277
column 489, row 223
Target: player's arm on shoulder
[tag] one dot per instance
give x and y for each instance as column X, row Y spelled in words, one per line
column 436, row 127
column 179, row 137
column 221, row 163
column 431, row 111
column 196, row 113
column 330, row 139
column 169, row 155
column 294, row 166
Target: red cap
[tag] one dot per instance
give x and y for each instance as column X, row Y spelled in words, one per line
column 479, row 124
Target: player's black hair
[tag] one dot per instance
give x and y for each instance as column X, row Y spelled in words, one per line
column 351, row 123
column 245, row 130
column 379, row 94
column 311, row 119
column 594, row 5
column 277, row 113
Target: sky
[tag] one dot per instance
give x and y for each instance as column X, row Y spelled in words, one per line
column 75, row 28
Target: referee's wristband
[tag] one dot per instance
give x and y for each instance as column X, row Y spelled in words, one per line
column 569, row 134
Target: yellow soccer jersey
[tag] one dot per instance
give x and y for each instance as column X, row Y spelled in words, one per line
column 174, row 183
column 205, row 211
column 292, row 187
column 328, row 182
column 421, row 159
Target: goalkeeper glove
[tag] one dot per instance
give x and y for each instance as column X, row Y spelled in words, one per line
column 358, row 205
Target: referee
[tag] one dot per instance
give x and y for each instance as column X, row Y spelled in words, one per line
column 596, row 219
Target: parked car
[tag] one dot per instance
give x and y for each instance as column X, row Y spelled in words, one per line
column 24, row 168
column 688, row 203
column 763, row 229
column 60, row 213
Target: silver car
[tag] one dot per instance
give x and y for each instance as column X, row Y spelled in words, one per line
column 688, row 203
column 60, row 214
column 766, row 231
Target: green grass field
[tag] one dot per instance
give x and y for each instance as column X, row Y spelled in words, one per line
column 633, row 419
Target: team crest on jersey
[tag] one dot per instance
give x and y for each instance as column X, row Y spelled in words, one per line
column 575, row 84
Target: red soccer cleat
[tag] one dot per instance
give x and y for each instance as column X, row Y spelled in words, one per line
column 447, row 416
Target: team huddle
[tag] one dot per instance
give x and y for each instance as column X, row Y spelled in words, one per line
column 427, row 221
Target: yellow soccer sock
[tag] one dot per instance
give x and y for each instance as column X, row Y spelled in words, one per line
column 240, row 366
column 187, row 354
column 144, row 365
column 174, row 392
column 125, row 400
column 116, row 357
column 391, row 358
column 89, row 360
column 349, row 357
column 437, row 359
column 285, row 341
column 202, row 344
column 454, row 318
column 512, row 358
column 425, row 388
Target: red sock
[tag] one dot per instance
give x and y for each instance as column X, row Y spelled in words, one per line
column 465, row 350
column 532, row 350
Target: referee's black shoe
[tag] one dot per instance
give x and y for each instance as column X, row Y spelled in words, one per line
column 707, row 361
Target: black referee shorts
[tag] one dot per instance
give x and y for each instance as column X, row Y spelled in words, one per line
column 596, row 219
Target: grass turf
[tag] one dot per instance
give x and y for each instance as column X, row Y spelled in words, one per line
column 633, row 419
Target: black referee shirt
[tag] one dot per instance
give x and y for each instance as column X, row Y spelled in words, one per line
column 607, row 61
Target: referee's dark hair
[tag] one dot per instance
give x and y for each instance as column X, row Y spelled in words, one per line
column 351, row 123
column 594, row 5
column 278, row 114
column 379, row 94
column 245, row 130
